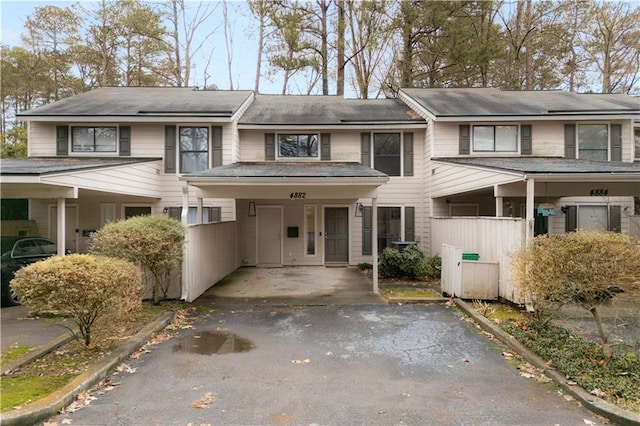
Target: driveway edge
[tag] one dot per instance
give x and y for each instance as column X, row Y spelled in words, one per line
column 50, row 405
column 592, row 402
column 37, row 352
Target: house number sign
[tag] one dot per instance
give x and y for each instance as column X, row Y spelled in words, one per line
column 298, row 195
column 599, row 192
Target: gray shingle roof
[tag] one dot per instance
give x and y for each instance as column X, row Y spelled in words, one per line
column 546, row 165
column 38, row 166
column 297, row 170
column 491, row 101
column 300, row 110
column 146, row 101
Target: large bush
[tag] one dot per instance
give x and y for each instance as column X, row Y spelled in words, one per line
column 153, row 242
column 583, row 268
column 88, row 289
column 410, row 263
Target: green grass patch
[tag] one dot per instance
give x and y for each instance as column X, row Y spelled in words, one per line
column 13, row 353
column 21, row 390
column 408, row 292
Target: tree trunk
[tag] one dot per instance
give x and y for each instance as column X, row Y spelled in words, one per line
column 341, row 31
column 606, row 349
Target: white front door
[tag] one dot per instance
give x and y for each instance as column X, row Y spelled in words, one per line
column 70, row 227
column 269, row 231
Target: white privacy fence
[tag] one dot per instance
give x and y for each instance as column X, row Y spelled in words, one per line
column 493, row 239
column 210, row 255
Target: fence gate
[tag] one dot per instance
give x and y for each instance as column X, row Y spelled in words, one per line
column 451, row 280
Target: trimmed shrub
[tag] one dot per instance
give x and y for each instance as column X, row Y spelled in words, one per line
column 153, row 242
column 410, row 263
column 434, row 266
column 583, row 268
column 88, row 289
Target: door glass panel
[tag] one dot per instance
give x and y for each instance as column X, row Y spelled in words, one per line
column 310, row 229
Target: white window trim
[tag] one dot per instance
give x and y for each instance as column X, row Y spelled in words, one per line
column 373, row 156
column 73, row 153
column 496, row 153
column 306, row 231
column 124, row 206
column 297, row 159
column 179, row 152
column 107, row 210
column 577, row 141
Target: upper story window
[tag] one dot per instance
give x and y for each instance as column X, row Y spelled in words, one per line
column 298, row 146
column 194, row 149
column 495, row 138
column 94, row 139
column 593, row 142
column 386, row 153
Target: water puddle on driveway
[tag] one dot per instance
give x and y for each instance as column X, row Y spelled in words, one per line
column 209, row 343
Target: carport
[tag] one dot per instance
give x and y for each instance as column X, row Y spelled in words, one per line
column 254, row 183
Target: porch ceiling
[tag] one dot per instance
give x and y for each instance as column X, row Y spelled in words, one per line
column 275, row 180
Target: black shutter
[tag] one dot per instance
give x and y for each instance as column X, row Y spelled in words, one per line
column 616, row 142
column 62, row 140
column 269, row 147
column 367, row 215
column 365, row 150
column 409, row 223
column 216, row 146
column 570, row 218
column 526, row 140
column 408, row 154
column 615, row 219
column 569, row 141
column 169, row 149
column 125, row 141
column 464, row 139
column 325, row 146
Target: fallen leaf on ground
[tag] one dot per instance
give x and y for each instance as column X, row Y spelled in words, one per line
column 204, row 402
column 301, row 361
column 66, row 421
column 125, row 368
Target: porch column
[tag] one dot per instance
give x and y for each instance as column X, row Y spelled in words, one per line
column 62, row 221
column 374, row 242
column 185, row 203
column 530, row 208
column 499, row 209
column 199, row 219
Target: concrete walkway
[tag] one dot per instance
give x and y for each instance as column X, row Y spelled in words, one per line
column 294, row 285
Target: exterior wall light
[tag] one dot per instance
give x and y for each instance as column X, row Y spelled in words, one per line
column 252, row 209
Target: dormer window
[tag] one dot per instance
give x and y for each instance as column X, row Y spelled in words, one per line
column 298, row 146
column 495, row 138
column 94, row 139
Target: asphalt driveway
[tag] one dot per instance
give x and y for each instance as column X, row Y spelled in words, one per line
column 382, row 364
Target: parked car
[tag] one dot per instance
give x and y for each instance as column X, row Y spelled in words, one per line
column 18, row 252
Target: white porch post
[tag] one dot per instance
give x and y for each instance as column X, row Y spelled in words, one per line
column 499, row 209
column 200, row 211
column 62, row 220
column 185, row 203
column 374, row 242
column 530, row 208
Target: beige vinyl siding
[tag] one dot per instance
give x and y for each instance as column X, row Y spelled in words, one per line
column 447, row 179
column 172, row 197
column 445, row 137
column 42, row 139
column 139, row 179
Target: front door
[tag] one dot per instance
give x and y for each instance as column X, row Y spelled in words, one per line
column 269, row 231
column 336, row 234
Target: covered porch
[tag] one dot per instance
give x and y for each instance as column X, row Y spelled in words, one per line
column 294, row 214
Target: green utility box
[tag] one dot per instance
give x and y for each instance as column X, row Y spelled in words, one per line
column 467, row 255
